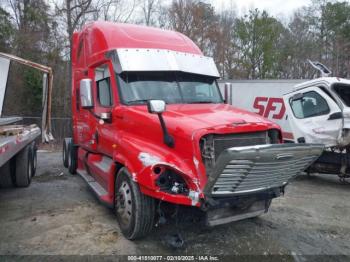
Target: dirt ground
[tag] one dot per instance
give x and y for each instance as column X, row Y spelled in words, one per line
column 59, row 215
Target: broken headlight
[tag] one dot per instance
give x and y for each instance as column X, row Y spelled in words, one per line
column 170, row 181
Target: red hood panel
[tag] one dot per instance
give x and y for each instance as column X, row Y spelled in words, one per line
column 190, row 117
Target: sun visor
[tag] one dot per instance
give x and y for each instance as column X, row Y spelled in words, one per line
column 129, row 60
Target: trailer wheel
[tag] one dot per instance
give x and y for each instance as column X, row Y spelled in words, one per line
column 34, row 157
column 135, row 211
column 24, row 167
column 5, row 175
column 66, row 143
column 72, row 158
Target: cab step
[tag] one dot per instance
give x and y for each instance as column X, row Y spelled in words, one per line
column 104, row 165
column 101, row 193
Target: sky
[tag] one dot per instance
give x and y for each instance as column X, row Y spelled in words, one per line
column 274, row 7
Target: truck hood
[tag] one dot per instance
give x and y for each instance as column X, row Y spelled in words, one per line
column 184, row 120
column 210, row 116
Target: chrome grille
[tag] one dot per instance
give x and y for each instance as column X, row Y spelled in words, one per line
column 241, row 175
column 249, row 169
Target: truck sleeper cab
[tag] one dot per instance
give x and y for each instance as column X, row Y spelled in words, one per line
column 150, row 125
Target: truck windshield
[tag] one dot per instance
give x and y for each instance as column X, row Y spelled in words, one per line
column 173, row 88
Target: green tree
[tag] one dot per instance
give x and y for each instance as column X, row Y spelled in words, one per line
column 33, row 39
column 258, row 35
column 298, row 43
column 32, row 28
column 336, row 17
column 6, row 31
column 330, row 22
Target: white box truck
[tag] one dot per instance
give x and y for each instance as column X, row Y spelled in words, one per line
column 314, row 111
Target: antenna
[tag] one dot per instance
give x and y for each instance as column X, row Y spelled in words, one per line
column 325, row 72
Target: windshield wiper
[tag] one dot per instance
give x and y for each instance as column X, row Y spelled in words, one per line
column 135, row 102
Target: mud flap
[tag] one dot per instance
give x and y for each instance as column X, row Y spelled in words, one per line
column 224, row 215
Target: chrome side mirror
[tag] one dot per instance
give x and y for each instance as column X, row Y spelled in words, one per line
column 86, row 97
column 228, row 93
column 156, row 106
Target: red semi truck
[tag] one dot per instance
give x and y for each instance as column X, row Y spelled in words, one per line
column 150, row 126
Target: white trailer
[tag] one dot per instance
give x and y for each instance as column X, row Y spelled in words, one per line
column 314, row 111
column 17, row 142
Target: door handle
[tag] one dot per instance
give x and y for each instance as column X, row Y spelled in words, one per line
column 336, row 115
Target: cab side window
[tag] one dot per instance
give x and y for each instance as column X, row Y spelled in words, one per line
column 103, row 85
column 310, row 105
column 104, row 94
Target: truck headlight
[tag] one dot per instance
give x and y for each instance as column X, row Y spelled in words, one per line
column 170, row 180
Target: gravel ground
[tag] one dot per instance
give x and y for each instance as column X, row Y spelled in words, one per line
column 59, row 215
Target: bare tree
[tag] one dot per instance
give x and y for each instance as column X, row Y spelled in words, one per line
column 115, row 10
column 180, row 15
column 148, row 9
column 74, row 11
column 33, row 24
column 188, row 18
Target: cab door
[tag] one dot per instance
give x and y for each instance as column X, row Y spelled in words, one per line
column 314, row 116
column 105, row 101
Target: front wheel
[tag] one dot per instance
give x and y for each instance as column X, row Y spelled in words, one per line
column 135, row 211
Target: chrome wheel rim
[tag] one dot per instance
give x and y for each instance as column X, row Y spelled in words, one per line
column 124, row 204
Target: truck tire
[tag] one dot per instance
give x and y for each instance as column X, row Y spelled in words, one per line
column 5, row 176
column 65, row 146
column 24, row 167
column 34, row 157
column 72, row 158
column 135, row 211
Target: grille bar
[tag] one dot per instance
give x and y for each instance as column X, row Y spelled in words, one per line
column 222, row 142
